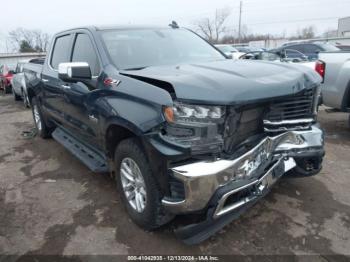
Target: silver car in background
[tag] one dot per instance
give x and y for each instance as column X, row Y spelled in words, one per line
column 19, row 89
column 19, row 86
column 230, row 51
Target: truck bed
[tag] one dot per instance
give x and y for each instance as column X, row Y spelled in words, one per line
column 335, row 89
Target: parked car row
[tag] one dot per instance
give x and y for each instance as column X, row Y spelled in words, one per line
column 13, row 79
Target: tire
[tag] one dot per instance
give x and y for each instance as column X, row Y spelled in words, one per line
column 152, row 215
column 2, row 88
column 25, row 100
column 15, row 96
column 8, row 89
column 42, row 129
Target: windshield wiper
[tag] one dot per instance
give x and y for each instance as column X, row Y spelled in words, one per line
column 135, row 68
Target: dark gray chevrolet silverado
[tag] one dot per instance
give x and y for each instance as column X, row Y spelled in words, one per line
column 183, row 129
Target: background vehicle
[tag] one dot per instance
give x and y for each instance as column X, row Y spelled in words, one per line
column 343, row 47
column 182, row 129
column 276, row 57
column 6, row 74
column 335, row 68
column 229, row 51
column 247, row 49
column 19, row 89
column 310, row 50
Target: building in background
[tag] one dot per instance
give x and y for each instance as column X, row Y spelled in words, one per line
column 344, row 27
column 13, row 59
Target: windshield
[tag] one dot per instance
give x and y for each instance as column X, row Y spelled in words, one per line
column 139, row 48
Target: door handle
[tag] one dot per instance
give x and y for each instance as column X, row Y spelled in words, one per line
column 65, row 86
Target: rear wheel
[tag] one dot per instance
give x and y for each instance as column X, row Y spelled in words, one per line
column 42, row 129
column 137, row 186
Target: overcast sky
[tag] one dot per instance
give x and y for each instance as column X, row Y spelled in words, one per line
column 260, row 16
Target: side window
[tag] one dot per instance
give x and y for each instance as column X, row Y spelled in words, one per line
column 310, row 49
column 84, row 51
column 61, row 51
column 299, row 48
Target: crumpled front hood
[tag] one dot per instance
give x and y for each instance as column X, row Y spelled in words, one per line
column 231, row 82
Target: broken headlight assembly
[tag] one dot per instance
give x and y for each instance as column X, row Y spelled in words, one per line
column 197, row 126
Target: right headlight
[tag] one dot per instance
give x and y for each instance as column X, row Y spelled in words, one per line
column 199, row 126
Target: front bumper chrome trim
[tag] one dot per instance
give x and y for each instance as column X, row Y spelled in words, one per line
column 260, row 186
column 202, row 179
column 289, row 122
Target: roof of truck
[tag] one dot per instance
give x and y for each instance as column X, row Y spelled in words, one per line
column 115, row 27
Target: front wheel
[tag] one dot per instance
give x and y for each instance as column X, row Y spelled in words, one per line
column 137, row 186
column 42, row 129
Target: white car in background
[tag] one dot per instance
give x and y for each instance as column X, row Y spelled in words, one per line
column 285, row 58
column 230, row 51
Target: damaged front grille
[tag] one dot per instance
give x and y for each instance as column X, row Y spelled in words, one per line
column 241, row 125
column 284, row 114
column 292, row 113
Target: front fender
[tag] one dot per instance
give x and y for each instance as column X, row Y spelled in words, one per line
column 135, row 114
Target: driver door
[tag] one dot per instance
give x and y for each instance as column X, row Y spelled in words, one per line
column 79, row 110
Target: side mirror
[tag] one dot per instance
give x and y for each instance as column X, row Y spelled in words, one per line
column 74, row 71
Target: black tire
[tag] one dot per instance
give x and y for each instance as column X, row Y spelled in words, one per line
column 153, row 215
column 2, row 88
column 42, row 129
column 15, row 96
column 8, row 89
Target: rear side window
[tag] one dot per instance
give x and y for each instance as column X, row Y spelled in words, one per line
column 61, row 51
column 310, row 49
column 84, row 51
column 299, row 48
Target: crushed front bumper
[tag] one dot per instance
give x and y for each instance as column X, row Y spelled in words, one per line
column 256, row 170
column 226, row 188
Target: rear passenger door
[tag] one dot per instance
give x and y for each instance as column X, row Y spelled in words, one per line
column 79, row 109
column 53, row 102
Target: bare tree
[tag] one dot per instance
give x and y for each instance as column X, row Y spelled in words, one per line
column 306, row 32
column 213, row 28
column 33, row 40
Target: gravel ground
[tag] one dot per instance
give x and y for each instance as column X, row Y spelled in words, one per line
column 50, row 203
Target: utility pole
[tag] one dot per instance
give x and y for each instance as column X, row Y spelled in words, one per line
column 240, row 21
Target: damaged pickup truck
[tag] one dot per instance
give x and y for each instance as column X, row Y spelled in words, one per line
column 183, row 129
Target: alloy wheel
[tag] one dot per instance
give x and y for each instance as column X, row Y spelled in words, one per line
column 133, row 184
column 37, row 117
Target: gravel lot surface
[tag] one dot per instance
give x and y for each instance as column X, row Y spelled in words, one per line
column 50, row 203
